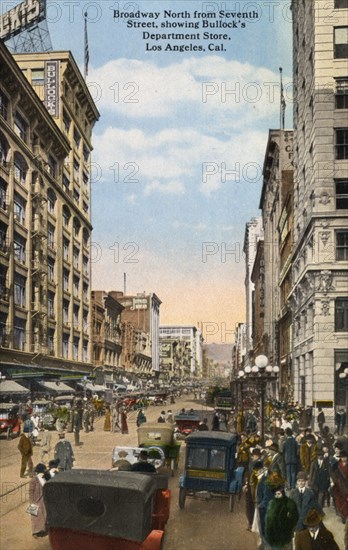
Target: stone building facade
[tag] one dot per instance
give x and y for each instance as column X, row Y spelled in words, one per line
column 320, row 261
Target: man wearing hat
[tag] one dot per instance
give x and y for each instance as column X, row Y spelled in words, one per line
column 25, row 447
column 304, row 499
column 143, row 465
column 315, row 536
column 319, row 478
column 276, row 461
column 63, row 452
column 290, row 454
column 308, row 452
column 162, row 417
column 339, row 474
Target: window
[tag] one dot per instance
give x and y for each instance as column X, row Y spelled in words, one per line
column 76, row 313
column 50, row 305
column 19, row 334
column 341, row 95
column 66, row 276
column 341, row 314
column 52, row 166
column 20, row 170
column 3, row 195
column 342, row 246
column 76, row 227
column 3, row 105
column 76, row 348
column 85, row 321
column 4, row 148
column 340, row 42
column 341, row 194
column 19, row 290
column 66, row 246
column 77, row 139
column 51, row 201
column 341, row 143
column 65, row 346
column 85, row 207
column 50, row 268
column 341, row 4
column 51, row 341
column 85, row 154
column 85, row 180
column 85, row 237
column 85, row 292
column 20, row 127
column 19, row 244
column 76, row 170
column 66, row 215
column 50, row 235
column 66, row 122
column 19, row 205
column 76, row 196
column 85, row 351
column 85, row 266
column 66, row 304
column 3, row 237
column 76, row 256
column 66, row 183
column 76, row 286
column 37, row 77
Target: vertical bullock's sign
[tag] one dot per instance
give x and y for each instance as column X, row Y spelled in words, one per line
column 52, row 87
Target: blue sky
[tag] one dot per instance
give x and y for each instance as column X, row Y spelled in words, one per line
column 188, row 154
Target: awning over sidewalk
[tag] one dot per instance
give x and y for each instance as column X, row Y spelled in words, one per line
column 56, row 387
column 10, row 386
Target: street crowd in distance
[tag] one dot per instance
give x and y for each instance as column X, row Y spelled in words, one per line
column 290, row 478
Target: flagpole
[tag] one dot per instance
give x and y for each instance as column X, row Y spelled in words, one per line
column 282, row 102
column 86, row 49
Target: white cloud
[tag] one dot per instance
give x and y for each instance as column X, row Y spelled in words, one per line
column 170, row 188
column 211, row 86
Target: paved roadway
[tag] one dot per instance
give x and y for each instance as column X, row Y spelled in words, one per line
column 202, row 525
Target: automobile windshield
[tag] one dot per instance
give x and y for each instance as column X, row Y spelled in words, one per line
column 197, row 458
column 217, row 459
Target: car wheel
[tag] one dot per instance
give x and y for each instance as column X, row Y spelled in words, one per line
column 182, row 498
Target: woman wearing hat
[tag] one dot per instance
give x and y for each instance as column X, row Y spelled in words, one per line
column 38, row 518
column 315, row 536
column 281, row 517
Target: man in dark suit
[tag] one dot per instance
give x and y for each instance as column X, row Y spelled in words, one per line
column 290, row 454
column 319, row 478
column 315, row 536
column 305, row 500
column 143, row 465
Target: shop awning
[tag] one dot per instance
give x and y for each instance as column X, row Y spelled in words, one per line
column 56, row 387
column 10, row 386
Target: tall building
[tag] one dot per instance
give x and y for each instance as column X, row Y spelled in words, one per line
column 181, row 351
column 320, row 260
column 275, row 271
column 46, row 121
column 253, row 233
column 140, row 332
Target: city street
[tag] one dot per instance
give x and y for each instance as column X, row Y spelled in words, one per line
column 202, row 525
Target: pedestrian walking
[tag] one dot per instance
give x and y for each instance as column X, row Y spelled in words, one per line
column 339, row 474
column 169, row 417
column 25, row 447
column 45, row 444
column 304, row 499
column 141, row 418
column 162, row 417
column 308, row 452
column 37, row 504
column 63, row 452
column 340, row 421
column 315, row 536
column 290, row 454
column 124, row 425
column 319, row 478
column 77, row 424
column 216, row 422
column 276, row 462
column 320, row 419
column 281, row 519
column 107, row 421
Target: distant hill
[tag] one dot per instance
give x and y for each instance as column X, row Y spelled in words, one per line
column 221, row 353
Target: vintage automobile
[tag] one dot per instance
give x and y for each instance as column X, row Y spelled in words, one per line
column 113, row 510
column 10, row 423
column 187, row 422
column 160, row 436
column 210, row 467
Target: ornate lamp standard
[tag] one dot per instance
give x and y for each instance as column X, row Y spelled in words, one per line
column 261, row 373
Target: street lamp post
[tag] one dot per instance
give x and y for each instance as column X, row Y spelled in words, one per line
column 260, row 373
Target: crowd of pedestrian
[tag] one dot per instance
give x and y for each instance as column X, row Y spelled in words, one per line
column 289, row 480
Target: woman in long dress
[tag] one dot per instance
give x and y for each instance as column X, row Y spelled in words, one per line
column 107, row 421
column 38, row 522
column 124, row 425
